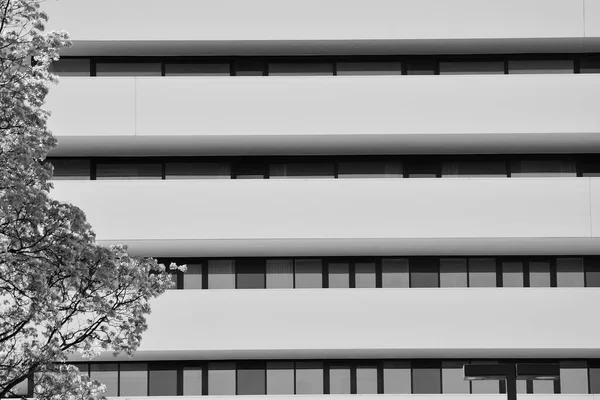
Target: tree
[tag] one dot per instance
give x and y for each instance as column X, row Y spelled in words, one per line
column 60, row 293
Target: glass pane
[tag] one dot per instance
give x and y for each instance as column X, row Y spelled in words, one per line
column 366, row 380
column 569, row 272
column 128, row 69
column 541, row 67
column 221, row 379
column 453, row 377
column 250, row 273
column 133, row 379
column 365, row 275
column 542, row 168
column 470, row 169
column 280, row 378
column 197, row 70
column 453, row 272
column 309, row 274
column 293, row 69
column 221, row 274
column 339, row 380
column 370, row 170
column 192, row 278
column 65, row 168
column 396, row 377
column 482, row 272
column 592, row 272
column 543, row 387
column 426, row 381
column 108, row 375
column 198, row 171
column 163, row 382
column 302, row 170
column 280, row 274
column 369, row 68
column 250, row 171
column 472, row 68
column 251, row 381
column 573, row 377
column 339, row 275
column 128, row 171
column 423, row 170
column 420, row 68
column 590, row 65
column 20, row 389
column 84, row 369
column 71, row 67
column 485, row 386
column 539, row 274
column 394, row 273
column 309, row 378
column 594, row 373
column 249, row 68
column 512, row 274
column 192, row 381
column 590, row 168
column 423, row 273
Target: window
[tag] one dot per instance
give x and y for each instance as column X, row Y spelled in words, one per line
column 133, row 379
column 192, row 381
column 339, row 380
column 108, row 375
column 251, row 380
column 20, row 389
column 543, row 387
column 369, row 68
column 482, row 272
column 302, row 170
column 539, row 274
column 472, row 68
column 543, row 168
column 512, row 274
column 468, row 169
column 339, row 275
column 573, row 377
column 128, row 69
column 453, row 272
column 396, row 377
column 366, row 380
column 294, row 69
column 71, row 67
column 424, row 273
column 594, row 374
column 590, row 168
column 394, row 273
column 189, row 69
column 192, row 278
column 250, row 273
column 249, row 68
column 592, row 272
column 162, row 382
column 590, row 65
column 280, row 274
column 129, row 171
column 365, row 275
column 569, row 272
column 250, row 171
column 221, row 378
column 70, row 168
column 280, row 378
column 540, row 67
column 309, row 273
column 426, row 380
column 221, row 274
column 485, row 386
column 420, row 68
column 309, row 378
column 196, row 170
column 422, row 170
column 370, row 170
column 453, row 378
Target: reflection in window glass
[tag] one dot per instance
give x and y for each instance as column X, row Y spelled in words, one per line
column 133, row 379
column 293, row 69
column 221, row 274
column 251, row 381
column 192, row 279
column 221, row 378
column 128, row 69
column 543, row 387
column 573, row 377
column 197, row 70
column 485, row 386
column 540, row 67
column 453, row 378
column 423, row 273
column 309, row 273
column 594, row 374
column 162, row 382
column 426, row 381
column 365, row 275
column 71, row 67
column 369, row 170
column 569, row 272
column 250, row 273
column 369, row 68
column 280, row 378
column 394, row 273
column 453, row 272
column 472, row 68
column 539, row 274
column 592, row 272
column 196, row 170
column 366, row 380
column 280, row 274
column 512, row 274
column 302, row 170
column 339, row 380
column 482, row 272
column 21, row 389
column 129, row 171
column 192, row 381
column 542, row 168
column 68, row 168
column 108, row 375
column 396, row 377
column 339, row 275
column 309, row 378
column 472, row 169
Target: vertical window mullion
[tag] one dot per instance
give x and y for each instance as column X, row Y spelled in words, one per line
column 353, row 383
column 326, row 386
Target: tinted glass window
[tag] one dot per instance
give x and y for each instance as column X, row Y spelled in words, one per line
column 485, row 386
column 221, row 274
column 394, row 273
column 293, row 69
column 369, row 68
column 128, row 171
column 192, row 381
column 420, row 68
column 573, row 377
column 590, row 65
column 482, row 272
column 280, row 378
column 65, row 168
column 108, row 375
column 134, row 379
column 542, row 168
column 594, row 374
column 193, row 170
column 471, row 68
column 221, row 379
column 423, row 273
column 543, row 387
column 280, row 274
column 540, row 67
column 339, row 275
column 249, row 68
column 453, row 272
column 197, row 69
column 539, row 274
column 163, row 382
column 453, row 378
column 251, row 380
column 339, row 380
column 192, row 279
column 366, row 380
column 569, row 272
column 365, row 275
column 71, row 67
column 592, row 272
column 302, row 170
column 250, row 171
column 512, row 274
column 20, row 389
column 250, row 273
column 590, row 168
column 468, row 169
column 128, row 69
column 423, row 170
column 396, row 377
column 309, row 273
column 426, row 381
column 370, row 170
column 309, row 378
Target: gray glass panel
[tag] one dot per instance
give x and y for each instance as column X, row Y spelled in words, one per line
column 426, row 381
column 309, row 273
column 301, row 170
column 369, row 68
column 539, row 274
column 251, row 381
column 453, row 378
column 128, row 69
column 249, row 68
column 198, row 171
column 162, row 382
column 339, row 275
column 197, row 70
column 280, row 378
column 396, row 377
column 573, row 377
column 365, row 275
column 369, row 170
column 221, row 379
column 108, row 375
column 309, row 378
column 543, row 168
column 543, row 387
column 84, row 369
column 541, row 67
column 71, row 67
column 482, row 272
column 65, row 168
column 590, row 65
column 394, row 273
column 339, row 380
column 471, row 169
column 21, row 388
column 485, row 386
column 221, row 274
column 250, row 274
column 293, row 69
column 192, row 278
column 592, row 273
column 424, row 273
column 420, row 68
column 366, row 380
column 569, row 272
column 512, row 274
column 192, row 381
column 133, row 379
column 594, row 374
column 472, row 68
column 128, row 171
column 453, row 272
column 280, row 274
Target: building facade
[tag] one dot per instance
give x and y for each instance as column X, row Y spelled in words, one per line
column 368, row 194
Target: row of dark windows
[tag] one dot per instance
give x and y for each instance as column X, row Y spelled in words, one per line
column 329, row 65
column 279, row 377
column 340, row 167
column 387, row 272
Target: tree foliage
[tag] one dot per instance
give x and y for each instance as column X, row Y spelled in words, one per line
column 60, row 293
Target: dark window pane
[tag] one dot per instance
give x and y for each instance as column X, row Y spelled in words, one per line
column 71, row 67
column 426, row 381
column 590, row 65
column 250, row 171
column 480, row 169
column 128, row 69
column 366, row 380
column 573, row 377
column 302, row 170
column 280, row 378
column 221, row 274
column 569, row 272
column 482, row 272
column 369, row 68
column 423, row 170
column 108, row 375
column 590, row 168
column 512, row 274
column 485, row 386
column 394, row 273
column 192, row 278
column 192, row 381
column 251, row 380
column 250, row 273
column 423, row 273
column 84, row 369
column 592, row 272
column 453, row 378
column 280, row 274
column 420, row 68
column 128, row 171
column 594, row 379
column 539, row 274
column 163, row 382
column 221, row 378
column 453, row 272
column 293, row 69
column 542, row 168
column 20, row 389
column 472, row 68
column 309, row 273
column 540, row 67
column 198, row 171
column 197, row 70
column 133, row 379
column 309, row 378
column 396, row 377
column 339, row 275
column 65, row 168
column 365, row 275
column 249, row 68
column 339, row 380
column 370, row 170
